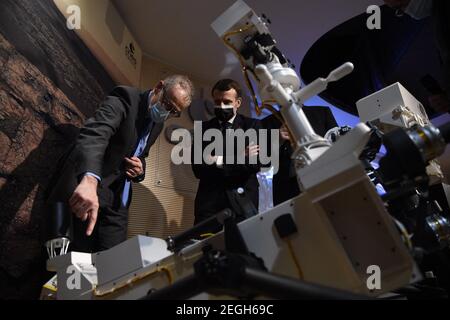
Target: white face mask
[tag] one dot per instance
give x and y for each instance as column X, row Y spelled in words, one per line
column 419, row 9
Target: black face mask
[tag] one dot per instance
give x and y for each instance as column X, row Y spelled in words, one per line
column 224, row 114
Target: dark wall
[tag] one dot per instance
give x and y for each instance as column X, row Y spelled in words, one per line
column 49, row 84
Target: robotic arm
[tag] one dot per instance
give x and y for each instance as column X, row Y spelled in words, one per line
column 330, row 235
column 248, row 36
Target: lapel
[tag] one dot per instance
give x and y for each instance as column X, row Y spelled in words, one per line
column 214, row 124
column 143, row 114
column 154, row 133
column 139, row 121
column 238, row 122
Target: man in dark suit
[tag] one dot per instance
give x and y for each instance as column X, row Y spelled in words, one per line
column 94, row 177
column 284, row 184
column 224, row 174
column 439, row 11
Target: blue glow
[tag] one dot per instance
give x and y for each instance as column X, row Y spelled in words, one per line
column 342, row 118
column 381, row 191
column 442, row 119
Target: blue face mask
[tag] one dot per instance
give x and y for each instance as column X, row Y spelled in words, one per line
column 158, row 112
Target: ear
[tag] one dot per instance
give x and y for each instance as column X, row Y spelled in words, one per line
column 159, row 87
column 156, row 90
column 238, row 103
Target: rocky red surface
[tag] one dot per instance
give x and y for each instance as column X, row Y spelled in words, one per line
column 49, row 84
column 36, row 122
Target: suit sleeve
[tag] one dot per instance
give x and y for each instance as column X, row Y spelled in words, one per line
column 95, row 135
column 231, row 170
column 202, row 170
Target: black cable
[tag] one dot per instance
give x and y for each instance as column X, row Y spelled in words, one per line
column 183, row 289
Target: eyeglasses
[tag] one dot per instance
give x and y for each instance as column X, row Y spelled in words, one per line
column 174, row 111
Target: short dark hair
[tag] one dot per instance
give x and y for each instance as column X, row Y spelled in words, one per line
column 226, row 85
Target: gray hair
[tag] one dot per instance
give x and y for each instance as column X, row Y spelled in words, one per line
column 183, row 81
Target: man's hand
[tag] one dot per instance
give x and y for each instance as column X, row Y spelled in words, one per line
column 84, row 202
column 133, row 167
column 252, row 151
column 210, row 160
column 284, row 133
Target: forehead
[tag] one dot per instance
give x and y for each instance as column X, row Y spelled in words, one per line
column 178, row 95
column 225, row 95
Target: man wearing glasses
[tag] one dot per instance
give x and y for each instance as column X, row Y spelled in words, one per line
column 94, row 177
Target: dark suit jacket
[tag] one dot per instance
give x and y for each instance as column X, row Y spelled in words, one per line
column 106, row 139
column 284, row 183
column 214, row 182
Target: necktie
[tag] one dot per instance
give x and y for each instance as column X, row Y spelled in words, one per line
column 226, row 135
column 226, row 126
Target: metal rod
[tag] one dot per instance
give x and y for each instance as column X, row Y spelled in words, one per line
column 280, row 287
column 181, row 290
